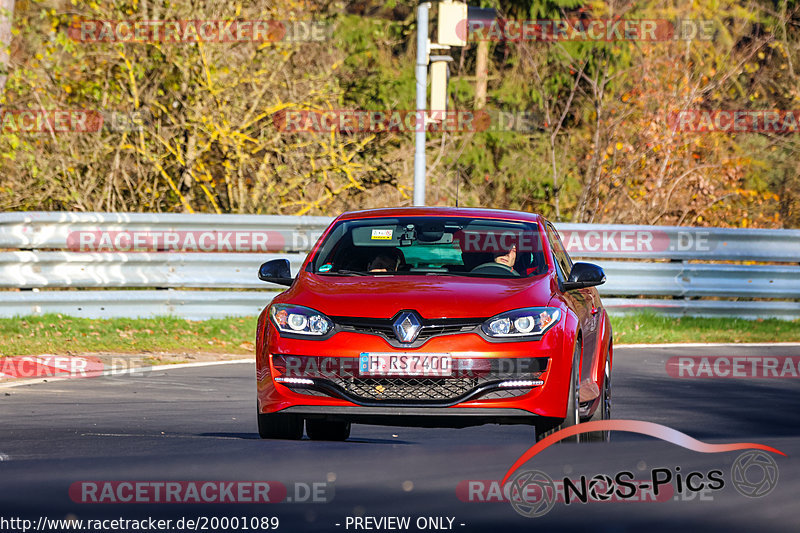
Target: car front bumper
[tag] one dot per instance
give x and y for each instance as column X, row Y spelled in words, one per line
column 333, row 388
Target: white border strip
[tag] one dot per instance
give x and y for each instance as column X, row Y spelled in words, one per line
column 710, row 345
column 123, row 371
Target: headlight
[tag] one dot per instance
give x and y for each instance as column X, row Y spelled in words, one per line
column 299, row 320
column 522, row 322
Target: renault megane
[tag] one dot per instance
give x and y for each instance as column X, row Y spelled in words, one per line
column 433, row 317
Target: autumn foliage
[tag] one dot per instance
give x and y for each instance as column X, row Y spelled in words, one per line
column 196, row 126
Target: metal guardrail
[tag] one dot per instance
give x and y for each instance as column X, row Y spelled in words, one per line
column 47, row 255
column 28, row 269
column 199, row 305
column 46, row 230
column 192, row 305
column 164, row 270
column 692, row 280
column 709, row 308
column 681, row 243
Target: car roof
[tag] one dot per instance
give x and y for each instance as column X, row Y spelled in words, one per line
column 499, row 214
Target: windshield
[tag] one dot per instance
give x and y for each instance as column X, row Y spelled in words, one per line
column 430, row 246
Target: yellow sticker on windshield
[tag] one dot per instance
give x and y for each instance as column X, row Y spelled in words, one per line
column 382, row 234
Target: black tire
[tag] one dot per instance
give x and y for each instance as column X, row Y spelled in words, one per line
column 280, row 426
column 319, row 429
column 603, row 411
column 573, row 403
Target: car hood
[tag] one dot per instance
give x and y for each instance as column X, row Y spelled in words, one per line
column 431, row 296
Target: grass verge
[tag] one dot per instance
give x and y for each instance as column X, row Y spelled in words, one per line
column 56, row 334
column 653, row 329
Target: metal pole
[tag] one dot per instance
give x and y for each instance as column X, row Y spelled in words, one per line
column 422, row 89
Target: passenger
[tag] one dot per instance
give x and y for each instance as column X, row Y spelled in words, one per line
column 385, row 262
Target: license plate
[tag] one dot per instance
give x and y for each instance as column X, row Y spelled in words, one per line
column 405, row 364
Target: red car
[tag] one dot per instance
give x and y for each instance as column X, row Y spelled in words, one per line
column 433, row 317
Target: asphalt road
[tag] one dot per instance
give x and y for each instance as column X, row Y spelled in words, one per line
column 199, row 424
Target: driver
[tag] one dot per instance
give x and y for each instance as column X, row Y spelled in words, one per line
column 502, row 260
column 507, row 259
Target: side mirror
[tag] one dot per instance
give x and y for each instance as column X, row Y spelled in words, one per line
column 584, row 275
column 276, row 271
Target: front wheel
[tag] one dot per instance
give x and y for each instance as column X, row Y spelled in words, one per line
column 573, row 403
column 280, row 426
column 603, row 411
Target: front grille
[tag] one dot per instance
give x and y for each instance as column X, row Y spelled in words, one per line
column 368, row 327
column 407, row 389
column 430, row 328
column 413, row 392
column 339, row 377
column 434, row 331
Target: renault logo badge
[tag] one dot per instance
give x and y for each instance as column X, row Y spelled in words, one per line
column 407, row 326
